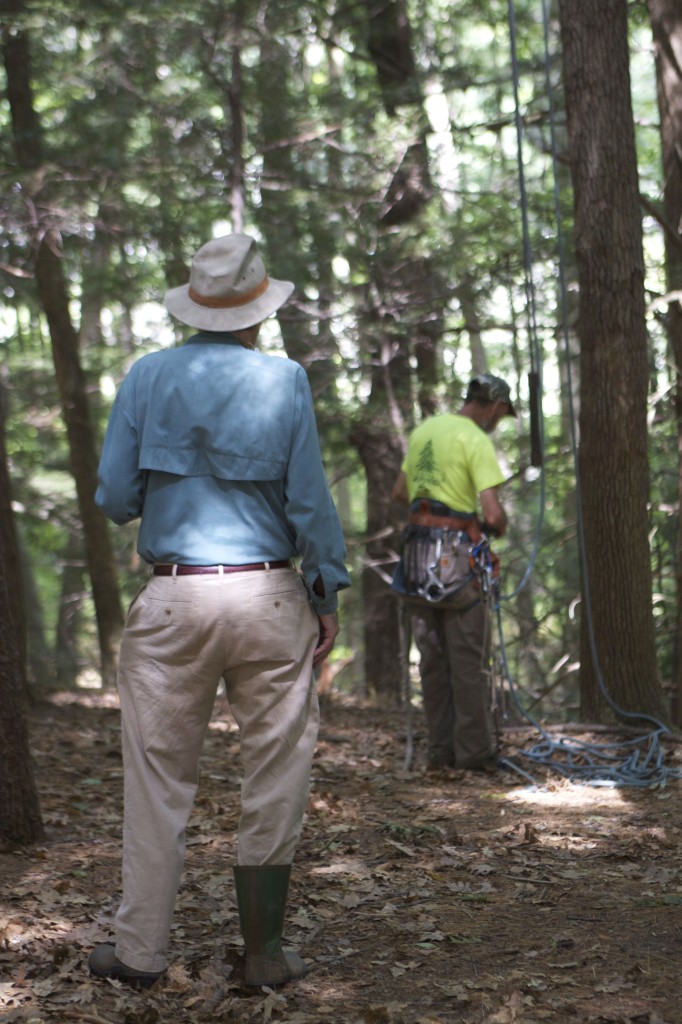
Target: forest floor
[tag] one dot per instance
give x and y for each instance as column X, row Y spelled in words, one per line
column 415, row 898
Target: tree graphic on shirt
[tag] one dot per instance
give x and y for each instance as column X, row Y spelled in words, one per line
column 425, row 472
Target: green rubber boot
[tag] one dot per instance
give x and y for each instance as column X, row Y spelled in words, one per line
column 262, row 901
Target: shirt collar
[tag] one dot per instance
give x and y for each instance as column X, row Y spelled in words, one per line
column 213, row 337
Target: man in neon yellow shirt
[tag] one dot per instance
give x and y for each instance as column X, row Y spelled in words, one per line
column 449, row 471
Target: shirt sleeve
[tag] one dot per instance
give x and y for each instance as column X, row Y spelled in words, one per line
column 121, row 489
column 310, row 509
column 485, row 469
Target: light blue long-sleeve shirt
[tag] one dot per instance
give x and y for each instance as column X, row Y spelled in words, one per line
column 215, row 447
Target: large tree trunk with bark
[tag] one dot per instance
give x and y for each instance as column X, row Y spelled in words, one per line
column 666, row 24
column 379, row 435
column 406, row 297
column 381, row 457
column 613, row 461
column 20, row 821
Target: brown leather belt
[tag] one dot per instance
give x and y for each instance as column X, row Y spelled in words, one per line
column 202, row 570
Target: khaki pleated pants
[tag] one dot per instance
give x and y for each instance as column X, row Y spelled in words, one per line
column 257, row 631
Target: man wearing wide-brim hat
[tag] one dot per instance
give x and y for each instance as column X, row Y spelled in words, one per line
column 214, row 446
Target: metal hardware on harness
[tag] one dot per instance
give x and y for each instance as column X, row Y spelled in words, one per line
column 434, row 587
column 481, row 563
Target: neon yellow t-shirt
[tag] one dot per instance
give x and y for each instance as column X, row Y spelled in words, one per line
column 450, row 459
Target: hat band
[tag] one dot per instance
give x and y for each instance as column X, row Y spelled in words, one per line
column 219, row 302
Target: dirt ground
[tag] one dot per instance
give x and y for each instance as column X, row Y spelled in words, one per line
column 415, row 898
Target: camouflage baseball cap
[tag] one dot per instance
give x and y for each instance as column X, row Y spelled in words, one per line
column 487, row 388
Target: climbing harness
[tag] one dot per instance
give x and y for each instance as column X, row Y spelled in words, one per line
column 443, row 567
column 476, row 581
column 445, row 557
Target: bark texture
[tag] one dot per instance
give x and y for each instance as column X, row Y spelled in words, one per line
column 666, row 25
column 20, row 821
column 613, row 462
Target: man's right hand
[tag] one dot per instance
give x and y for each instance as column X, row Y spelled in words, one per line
column 493, row 514
column 329, row 630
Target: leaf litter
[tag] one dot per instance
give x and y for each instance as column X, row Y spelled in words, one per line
column 416, row 898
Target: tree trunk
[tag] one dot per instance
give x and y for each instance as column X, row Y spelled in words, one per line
column 613, row 461
column 666, row 24
column 54, row 299
column 379, row 445
column 389, row 44
column 11, row 563
column 67, row 664
column 410, row 297
column 236, row 175
column 72, row 389
column 20, row 821
column 285, row 231
column 39, row 656
column 468, row 301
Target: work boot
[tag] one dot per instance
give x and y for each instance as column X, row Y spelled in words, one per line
column 104, row 963
column 262, row 900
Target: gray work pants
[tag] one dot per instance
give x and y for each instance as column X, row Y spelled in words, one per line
column 453, row 647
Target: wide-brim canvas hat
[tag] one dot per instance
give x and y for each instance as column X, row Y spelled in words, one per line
column 228, row 287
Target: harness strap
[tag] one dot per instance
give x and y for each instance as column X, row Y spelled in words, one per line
column 421, row 515
column 458, row 523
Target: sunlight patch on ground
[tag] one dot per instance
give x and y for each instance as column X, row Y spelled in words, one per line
column 89, row 679
column 221, row 725
column 570, row 795
column 85, row 698
column 343, row 866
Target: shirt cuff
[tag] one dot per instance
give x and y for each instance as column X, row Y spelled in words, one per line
column 325, row 605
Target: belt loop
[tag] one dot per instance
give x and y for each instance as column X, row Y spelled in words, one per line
column 267, row 566
column 174, row 573
column 221, row 570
